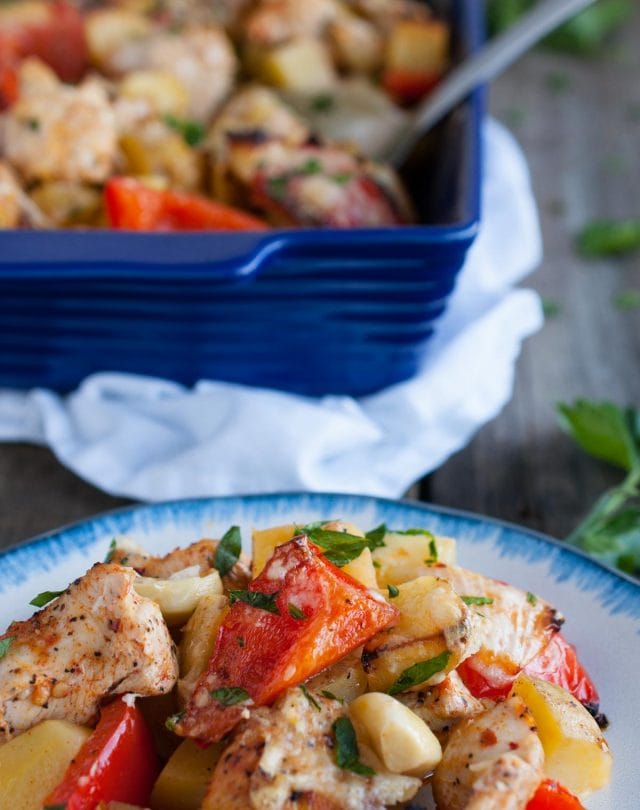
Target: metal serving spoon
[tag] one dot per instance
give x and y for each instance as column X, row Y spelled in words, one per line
column 484, row 65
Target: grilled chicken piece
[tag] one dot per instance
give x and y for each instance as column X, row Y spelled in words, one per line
column 204, row 61
column 284, row 753
column 59, row 132
column 443, row 706
column 198, row 555
column 491, row 762
column 511, row 631
column 98, row 639
column 276, row 21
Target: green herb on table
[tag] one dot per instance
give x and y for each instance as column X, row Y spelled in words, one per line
column 228, row 551
column 44, row 598
column 611, row 529
column 627, row 300
column 515, row 117
column 609, row 238
column 346, row 750
column 558, row 83
column 550, row 308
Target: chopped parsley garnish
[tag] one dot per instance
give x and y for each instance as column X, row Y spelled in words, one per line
column 311, row 166
column 240, row 641
column 609, row 238
column 172, row 721
column 44, row 598
column 277, row 186
column 262, row 601
column 346, row 749
column 326, row 693
column 338, row 547
column 433, row 551
column 32, row 123
column 415, row 532
column 112, row 548
column 477, row 600
column 375, row 538
column 228, row 551
column 5, row 643
column 192, row 131
column 230, row 695
column 420, row 672
column 532, row 599
column 393, row 591
column 627, row 300
column 310, row 698
column 323, row 103
column 376, row 564
column 342, row 178
column 295, row 612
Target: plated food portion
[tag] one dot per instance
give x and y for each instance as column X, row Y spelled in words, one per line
column 184, row 115
column 333, row 669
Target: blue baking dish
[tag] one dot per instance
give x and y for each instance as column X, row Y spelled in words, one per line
column 309, row 311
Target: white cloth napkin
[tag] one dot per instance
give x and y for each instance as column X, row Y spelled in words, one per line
column 151, row 439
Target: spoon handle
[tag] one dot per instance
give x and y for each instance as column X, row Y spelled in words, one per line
column 483, row 66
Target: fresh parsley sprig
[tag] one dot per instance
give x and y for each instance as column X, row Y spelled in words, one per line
column 257, row 599
column 346, row 750
column 611, row 529
column 228, row 551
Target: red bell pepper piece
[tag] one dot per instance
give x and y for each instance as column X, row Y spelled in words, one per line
column 408, row 87
column 312, row 615
column 134, row 206
column 117, row 763
column 552, row 796
column 557, row 663
column 59, row 40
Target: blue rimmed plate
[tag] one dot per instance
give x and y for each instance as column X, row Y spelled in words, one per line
column 601, row 607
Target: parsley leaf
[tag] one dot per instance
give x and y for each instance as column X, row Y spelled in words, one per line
column 230, row 695
column 477, row 600
column 295, row 612
column 192, row 132
column 338, row 547
column 420, row 672
column 375, row 537
column 5, row 643
column 322, row 103
column 532, row 599
column 228, row 551
column 393, row 591
column 326, row 693
column 112, row 548
column 627, row 300
column 262, row 601
column 603, row 430
column 609, row 238
column 346, row 749
column 44, row 598
column 310, row 698
column 173, row 720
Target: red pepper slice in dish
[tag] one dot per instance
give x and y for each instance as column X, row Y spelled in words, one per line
column 553, row 796
column 298, row 616
column 557, row 663
column 134, row 206
column 117, row 763
column 58, row 39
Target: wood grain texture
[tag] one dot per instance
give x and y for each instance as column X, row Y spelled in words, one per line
column 579, row 123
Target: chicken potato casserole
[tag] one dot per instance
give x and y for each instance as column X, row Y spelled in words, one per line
column 335, row 669
column 214, row 115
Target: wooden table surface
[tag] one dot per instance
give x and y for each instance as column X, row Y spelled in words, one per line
column 579, row 123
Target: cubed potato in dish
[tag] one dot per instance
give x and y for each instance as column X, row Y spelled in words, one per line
column 178, row 598
column 303, row 65
column 110, row 32
column 33, row 764
column 362, row 569
column 576, row 753
column 345, row 680
column 161, row 89
column 434, row 633
column 407, row 556
column 416, row 57
column 197, row 642
column 156, row 151
column 182, row 784
column 67, row 203
column 264, row 543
